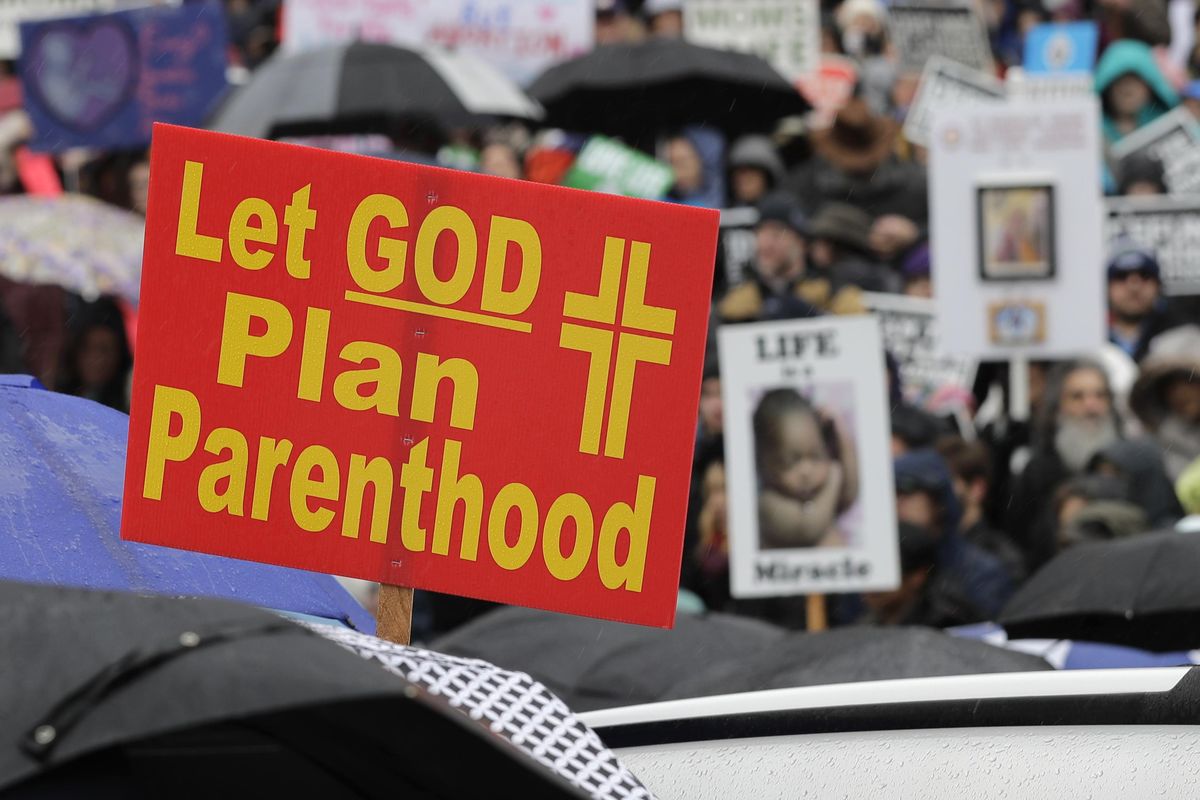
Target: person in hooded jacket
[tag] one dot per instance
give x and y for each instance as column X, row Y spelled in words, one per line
column 1077, row 419
column 1133, row 91
column 967, row 584
column 1166, row 400
column 1139, row 463
column 755, row 170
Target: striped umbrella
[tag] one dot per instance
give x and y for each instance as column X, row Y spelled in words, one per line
column 82, row 244
column 362, row 87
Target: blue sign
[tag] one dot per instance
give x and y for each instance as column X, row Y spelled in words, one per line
column 104, row 80
column 1059, row 47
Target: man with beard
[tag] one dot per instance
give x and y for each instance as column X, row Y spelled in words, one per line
column 1077, row 420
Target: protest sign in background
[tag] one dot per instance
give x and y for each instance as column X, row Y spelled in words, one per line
column 1061, row 47
column 1174, row 140
column 829, row 88
column 947, row 84
column 787, row 33
column 14, row 12
column 606, row 165
column 102, row 81
column 1017, row 229
column 1170, row 226
column 919, row 31
column 518, row 37
column 423, row 377
column 1048, row 87
column 738, row 244
column 806, row 429
column 910, row 334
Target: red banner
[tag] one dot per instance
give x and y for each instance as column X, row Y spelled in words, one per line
column 417, row 376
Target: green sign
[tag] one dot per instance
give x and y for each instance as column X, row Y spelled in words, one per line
column 606, row 165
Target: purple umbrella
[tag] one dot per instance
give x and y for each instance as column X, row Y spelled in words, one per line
column 62, row 465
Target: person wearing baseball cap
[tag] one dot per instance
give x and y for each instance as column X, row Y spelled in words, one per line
column 1136, row 309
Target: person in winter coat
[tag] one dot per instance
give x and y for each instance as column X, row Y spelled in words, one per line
column 840, row 253
column 1132, row 90
column 1077, row 419
column 1166, row 400
column 755, row 170
column 780, row 286
column 967, row 584
column 854, row 162
column 1139, row 463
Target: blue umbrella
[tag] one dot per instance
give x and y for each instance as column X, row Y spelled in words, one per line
column 62, row 465
column 1071, row 654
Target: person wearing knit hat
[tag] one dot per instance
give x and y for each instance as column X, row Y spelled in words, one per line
column 755, row 169
column 915, row 272
column 1140, row 173
column 780, row 285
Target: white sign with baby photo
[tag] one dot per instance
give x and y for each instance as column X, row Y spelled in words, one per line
column 808, row 458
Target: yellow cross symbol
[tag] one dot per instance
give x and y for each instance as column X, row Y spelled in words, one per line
column 631, row 348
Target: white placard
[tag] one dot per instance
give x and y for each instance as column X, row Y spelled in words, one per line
column 808, row 459
column 1173, row 139
column 519, row 37
column 1048, row 87
column 786, row 33
column 921, row 30
column 947, row 84
column 1168, row 225
column 1017, row 230
column 910, row 334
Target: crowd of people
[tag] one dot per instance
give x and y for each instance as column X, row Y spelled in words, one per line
column 1111, row 445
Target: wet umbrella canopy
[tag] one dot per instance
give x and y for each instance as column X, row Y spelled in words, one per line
column 369, row 88
column 849, row 655
column 636, row 89
column 60, row 514
column 1140, row 592
column 110, row 694
column 594, row 664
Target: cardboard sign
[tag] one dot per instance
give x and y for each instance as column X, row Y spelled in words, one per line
column 1170, row 226
column 947, row 84
column 828, row 89
column 786, row 33
column 516, row 36
column 1017, row 229
column 14, row 12
column 739, row 245
column 1059, row 47
column 1173, row 139
column 606, row 165
column 920, row 31
column 807, row 439
column 418, row 376
column 910, row 334
column 103, row 81
column 1048, row 87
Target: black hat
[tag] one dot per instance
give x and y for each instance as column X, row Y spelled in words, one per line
column 780, row 207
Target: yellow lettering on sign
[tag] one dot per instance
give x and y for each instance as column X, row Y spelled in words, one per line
column 187, row 241
column 169, row 403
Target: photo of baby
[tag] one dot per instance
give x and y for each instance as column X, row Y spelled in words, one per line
column 1016, row 232
column 807, row 469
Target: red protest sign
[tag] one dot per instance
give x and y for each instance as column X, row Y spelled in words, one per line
column 417, row 376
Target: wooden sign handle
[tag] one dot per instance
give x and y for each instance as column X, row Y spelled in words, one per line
column 817, row 620
column 393, row 620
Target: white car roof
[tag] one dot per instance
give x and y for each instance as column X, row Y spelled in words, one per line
column 914, row 690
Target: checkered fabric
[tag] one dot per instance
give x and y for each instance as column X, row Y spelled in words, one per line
column 511, row 704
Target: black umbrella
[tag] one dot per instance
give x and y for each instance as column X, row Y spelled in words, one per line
column 637, row 89
column 594, row 664
column 369, row 88
column 1141, row 591
column 850, row 655
column 110, row 694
